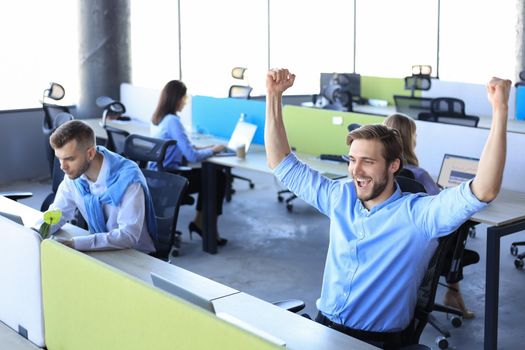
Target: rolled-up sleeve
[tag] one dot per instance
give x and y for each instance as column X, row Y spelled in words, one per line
column 307, row 183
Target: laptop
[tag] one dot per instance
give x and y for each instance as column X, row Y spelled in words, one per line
column 242, row 135
column 206, row 304
column 456, row 169
column 12, row 217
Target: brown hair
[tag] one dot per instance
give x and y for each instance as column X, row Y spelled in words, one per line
column 390, row 138
column 72, row 130
column 170, row 99
column 407, row 128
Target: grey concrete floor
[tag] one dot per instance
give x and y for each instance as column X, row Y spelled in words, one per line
column 274, row 255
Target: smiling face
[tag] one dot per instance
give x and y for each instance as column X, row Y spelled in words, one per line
column 373, row 176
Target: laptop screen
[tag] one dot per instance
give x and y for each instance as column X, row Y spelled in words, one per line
column 456, row 169
column 242, row 135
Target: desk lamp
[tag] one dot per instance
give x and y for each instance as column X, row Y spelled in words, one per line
column 111, row 109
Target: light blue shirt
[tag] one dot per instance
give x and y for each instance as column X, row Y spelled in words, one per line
column 376, row 259
column 171, row 128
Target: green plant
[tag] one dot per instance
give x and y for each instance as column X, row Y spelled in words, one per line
column 50, row 217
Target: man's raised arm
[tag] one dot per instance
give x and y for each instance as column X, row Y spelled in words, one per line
column 275, row 139
column 487, row 183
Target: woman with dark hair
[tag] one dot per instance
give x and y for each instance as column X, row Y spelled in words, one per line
column 407, row 129
column 166, row 124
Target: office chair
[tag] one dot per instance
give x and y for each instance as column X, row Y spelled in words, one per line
column 240, row 91
column 116, row 139
column 143, row 149
column 449, row 110
column 237, row 91
column 518, row 262
column 167, row 191
column 53, row 117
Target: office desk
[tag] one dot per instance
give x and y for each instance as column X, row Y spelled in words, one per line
column 297, row 331
column 255, row 160
column 11, row 340
column 505, row 216
column 141, row 265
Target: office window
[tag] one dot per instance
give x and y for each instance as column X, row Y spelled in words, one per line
column 477, row 40
column 154, row 42
column 310, row 37
column 394, row 35
column 219, row 35
column 39, row 45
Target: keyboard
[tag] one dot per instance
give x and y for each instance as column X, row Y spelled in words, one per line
column 334, row 157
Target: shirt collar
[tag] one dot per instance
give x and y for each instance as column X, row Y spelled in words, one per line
column 395, row 196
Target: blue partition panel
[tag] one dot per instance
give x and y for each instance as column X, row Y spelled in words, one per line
column 218, row 116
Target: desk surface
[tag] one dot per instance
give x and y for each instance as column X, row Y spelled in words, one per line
column 297, row 331
column 11, row 340
column 507, row 208
column 140, row 265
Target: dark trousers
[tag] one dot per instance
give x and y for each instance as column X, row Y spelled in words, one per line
column 195, row 178
column 388, row 341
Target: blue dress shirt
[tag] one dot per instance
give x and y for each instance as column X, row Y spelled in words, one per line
column 171, row 128
column 376, row 259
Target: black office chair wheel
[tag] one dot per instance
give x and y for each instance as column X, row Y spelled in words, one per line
column 519, row 264
column 252, row 185
column 456, row 321
column 472, row 232
column 513, row 250
column 280, row 199
column 442, row 342
column 289, row 207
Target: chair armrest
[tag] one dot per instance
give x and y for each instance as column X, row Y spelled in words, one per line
column 16, row 195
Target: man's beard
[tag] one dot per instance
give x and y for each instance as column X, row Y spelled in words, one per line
column 377, row 189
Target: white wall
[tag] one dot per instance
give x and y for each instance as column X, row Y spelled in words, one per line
column 474, row 95
column 141, row 102
column 436, row 139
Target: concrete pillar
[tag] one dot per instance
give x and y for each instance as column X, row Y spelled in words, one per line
column 105, row 52
column 520, row 38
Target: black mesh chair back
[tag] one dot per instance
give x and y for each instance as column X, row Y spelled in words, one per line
column 240, row 91
column 412, row 106
column 449, row 110
column 54, row 116
column 57, row 175
column 447, row 106
column 116, row 139
column 426, row 293
column 143, row 149
column 418, row 82
column 166, row 191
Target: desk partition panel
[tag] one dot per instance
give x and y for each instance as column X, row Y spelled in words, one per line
column 384, row 88
column 91, row 305
column 20, row 286
column 313, row 131
column 218, row 116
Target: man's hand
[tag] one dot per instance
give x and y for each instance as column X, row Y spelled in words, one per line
column 65, row 241
column 498, row 92
column 278, row 80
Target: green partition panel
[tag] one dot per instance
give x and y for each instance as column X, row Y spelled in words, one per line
column 384, row 88
column 91, row 305
column 311, row 130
